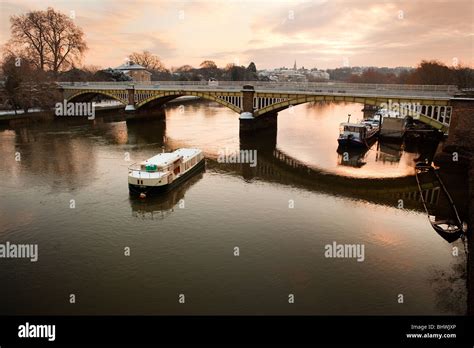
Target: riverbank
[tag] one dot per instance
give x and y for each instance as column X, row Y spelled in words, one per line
column 470, row 263
column 458, row 154
column 7, row 116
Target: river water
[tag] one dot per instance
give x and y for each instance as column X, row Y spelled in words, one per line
column 64, row 188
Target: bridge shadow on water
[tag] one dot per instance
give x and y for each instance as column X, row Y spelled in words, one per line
column 275, row 166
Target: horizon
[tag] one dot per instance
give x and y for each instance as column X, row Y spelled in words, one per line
column 317, row 34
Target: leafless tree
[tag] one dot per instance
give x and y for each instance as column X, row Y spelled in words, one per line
column 52, row 39
column 184, row 68
column 64, row 39
column 147, row 60
column 28, row 31
column 208, row 64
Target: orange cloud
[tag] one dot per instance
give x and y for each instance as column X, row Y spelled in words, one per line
column 271, row 33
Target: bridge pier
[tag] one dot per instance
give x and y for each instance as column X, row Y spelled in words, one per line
column 246, row 119
column 264, row 144
column 131, row 99
column 250, row 124
column 458, row 149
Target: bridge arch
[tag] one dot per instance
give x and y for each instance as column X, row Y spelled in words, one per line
column 293, row 100
column 434, row 113
column 167, row 96
column 114, row 94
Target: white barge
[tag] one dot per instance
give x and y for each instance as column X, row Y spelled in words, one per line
column 164, row 171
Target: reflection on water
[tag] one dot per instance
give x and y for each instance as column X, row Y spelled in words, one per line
column 352, row 157
column 183, row 242
column 389, row 151
column 158, row 207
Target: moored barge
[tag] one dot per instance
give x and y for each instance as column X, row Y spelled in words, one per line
column 164, row 171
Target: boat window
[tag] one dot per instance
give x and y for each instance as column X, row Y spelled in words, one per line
column 352, row 129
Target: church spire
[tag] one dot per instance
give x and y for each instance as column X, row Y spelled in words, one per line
column 294, row 66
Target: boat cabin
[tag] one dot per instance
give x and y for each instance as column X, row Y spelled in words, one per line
column 356, row 130
column 176, row 162
column 163, row 162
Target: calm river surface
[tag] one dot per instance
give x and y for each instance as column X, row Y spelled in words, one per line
column 183, row 243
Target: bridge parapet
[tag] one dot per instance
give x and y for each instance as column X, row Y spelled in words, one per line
column 335, row 87
column 259, row 98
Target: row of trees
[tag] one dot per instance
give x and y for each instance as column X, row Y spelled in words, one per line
column 426, row 73
column 207, row 70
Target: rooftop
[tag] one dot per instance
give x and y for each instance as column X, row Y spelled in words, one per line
column 162, row 159
column 130, row 66
column 165, row 158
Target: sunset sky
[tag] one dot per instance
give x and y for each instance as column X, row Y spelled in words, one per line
column 272, row 33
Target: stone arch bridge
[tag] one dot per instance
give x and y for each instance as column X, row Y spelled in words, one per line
column 257, row 101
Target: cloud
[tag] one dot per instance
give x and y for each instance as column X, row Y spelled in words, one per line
column 318, row 33
column 370, row 32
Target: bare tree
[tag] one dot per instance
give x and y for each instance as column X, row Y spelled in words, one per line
column 208, row 64
column 464, row 76
column 431, row 72
column 28, row 30
column 184, row 68
column 52, row 39
column 64, row 39
column 147, row 60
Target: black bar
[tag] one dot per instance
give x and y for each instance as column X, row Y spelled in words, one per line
column 241, row 330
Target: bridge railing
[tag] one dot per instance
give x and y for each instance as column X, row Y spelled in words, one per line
column 341, row 87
